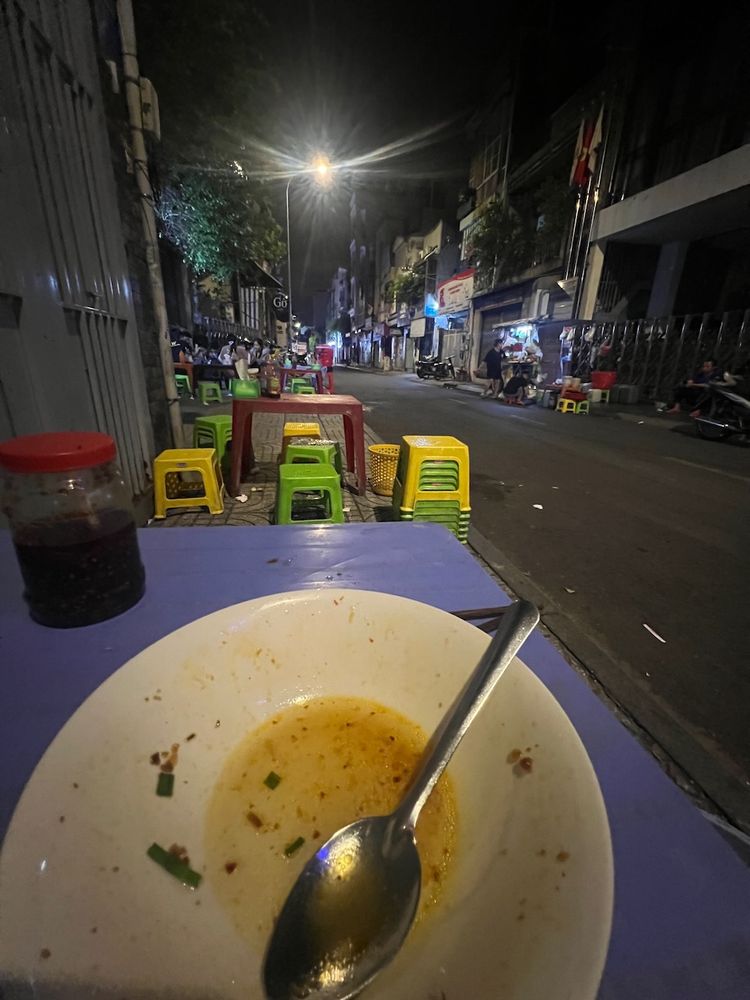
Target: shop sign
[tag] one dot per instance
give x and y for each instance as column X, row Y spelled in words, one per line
column 417, row 327
column 454, row 295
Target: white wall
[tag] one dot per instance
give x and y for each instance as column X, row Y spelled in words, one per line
column 710, row 180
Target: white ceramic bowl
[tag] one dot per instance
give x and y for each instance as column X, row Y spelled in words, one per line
column 525, row 914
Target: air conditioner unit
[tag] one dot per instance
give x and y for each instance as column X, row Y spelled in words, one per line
column 150, row 109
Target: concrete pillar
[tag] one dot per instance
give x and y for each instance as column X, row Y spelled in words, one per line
column 667, row 278
column 591, row 282
column 475, row 328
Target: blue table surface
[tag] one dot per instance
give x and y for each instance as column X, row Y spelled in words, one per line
column 682, row 897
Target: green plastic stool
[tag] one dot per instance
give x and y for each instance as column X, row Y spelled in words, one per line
column 208, row 391
column 309, row 445
column 213, row 432
column 245, row 388
column 303, row 390
column 309, row 494
column 183, row 382
column 321, row 454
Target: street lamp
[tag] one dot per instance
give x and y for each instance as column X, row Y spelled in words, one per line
column 321, row 169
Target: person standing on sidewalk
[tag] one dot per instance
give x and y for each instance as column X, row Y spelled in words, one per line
column 495, row 360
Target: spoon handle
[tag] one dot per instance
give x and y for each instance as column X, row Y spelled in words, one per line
column 515, row 627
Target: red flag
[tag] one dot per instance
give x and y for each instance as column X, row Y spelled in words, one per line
column 579, row 173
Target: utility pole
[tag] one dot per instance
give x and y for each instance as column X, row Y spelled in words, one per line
column 289, row 265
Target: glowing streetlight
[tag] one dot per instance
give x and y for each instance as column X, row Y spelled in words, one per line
column 322, row 170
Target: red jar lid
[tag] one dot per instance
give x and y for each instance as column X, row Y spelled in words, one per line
column 60, row 452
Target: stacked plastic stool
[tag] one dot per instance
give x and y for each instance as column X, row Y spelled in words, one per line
column 213, row 432
column 173, row 487
column 308, row 494
column 432, row 482
column 183, row 384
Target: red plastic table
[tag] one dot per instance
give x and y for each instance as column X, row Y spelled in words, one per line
column 307, row 407
column 286, row 373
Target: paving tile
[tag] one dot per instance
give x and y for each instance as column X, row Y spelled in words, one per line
column 260, row 488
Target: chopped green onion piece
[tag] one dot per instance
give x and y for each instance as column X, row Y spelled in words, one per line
column 295, row 845
column 165, row 784
column 272, row 780
column 174, row 866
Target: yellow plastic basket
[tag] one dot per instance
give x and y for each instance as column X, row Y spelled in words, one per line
column 383, row 464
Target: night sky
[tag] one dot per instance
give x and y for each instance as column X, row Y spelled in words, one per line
column 345, row 78
column 355, row 76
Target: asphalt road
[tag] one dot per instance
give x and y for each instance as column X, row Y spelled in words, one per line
column 638, row 524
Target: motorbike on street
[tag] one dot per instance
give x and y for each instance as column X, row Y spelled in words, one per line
column 725, row 411
column 433, row 367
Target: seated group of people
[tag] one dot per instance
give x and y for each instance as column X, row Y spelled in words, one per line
column 239, row 354
column 690, row 396
column 514, row 389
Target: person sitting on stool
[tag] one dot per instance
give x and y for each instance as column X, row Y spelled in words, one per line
column 690, row 394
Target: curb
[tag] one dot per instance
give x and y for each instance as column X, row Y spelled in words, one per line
column 584, row 656
column 368, row 371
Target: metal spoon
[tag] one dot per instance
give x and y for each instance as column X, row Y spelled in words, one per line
column 354, row 901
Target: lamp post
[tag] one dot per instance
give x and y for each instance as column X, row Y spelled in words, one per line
column 289, row 265
column 321, row 169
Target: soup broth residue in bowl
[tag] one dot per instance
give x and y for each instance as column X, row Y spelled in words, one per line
column 296, row 779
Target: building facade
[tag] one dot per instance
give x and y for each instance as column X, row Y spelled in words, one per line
column 672, row 229
column 72, row 355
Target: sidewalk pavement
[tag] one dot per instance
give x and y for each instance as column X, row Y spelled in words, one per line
column 370, row 371
column 260, row 489
column 638, row 413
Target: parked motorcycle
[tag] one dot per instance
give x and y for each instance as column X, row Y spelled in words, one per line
column 433, row 367
column 725, row 410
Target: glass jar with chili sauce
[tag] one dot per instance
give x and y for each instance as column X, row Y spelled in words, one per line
column 73, row 527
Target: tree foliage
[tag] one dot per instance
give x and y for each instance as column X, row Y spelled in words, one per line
column 501, row 244
column 512, row 237
column 216, row 224
column 553, row 203
column 207, row 67
column 408, row 287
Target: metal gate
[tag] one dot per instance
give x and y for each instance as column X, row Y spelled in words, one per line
column 70, row 357
column 658, row 354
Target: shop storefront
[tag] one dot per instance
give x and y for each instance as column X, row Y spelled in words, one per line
column 495, row 310
column 396, row 330
column 420, row 339
column 376, row 358
column 451, row 331
column 531, row 346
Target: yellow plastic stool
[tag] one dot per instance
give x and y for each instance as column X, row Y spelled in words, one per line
column 583, row 406
column 295, row 429
column 566, row 406
column 433, row 468
column 168, row 470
